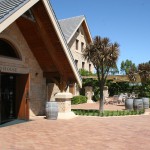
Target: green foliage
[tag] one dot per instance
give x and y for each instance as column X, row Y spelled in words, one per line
column 126, row 66
column 123, row 87
column 103, row 54
column 84, row 72
column 94, row 83
column 88, row 82
column 107, row 113
column 79, row 99
column 144, row 72
column 144, row 90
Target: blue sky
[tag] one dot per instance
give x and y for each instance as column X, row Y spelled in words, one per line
column 124, row 21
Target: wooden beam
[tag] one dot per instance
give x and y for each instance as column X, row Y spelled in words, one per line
column 36, row 44
column 45, row 29
column 49, row 75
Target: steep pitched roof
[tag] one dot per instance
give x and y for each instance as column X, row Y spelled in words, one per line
column 70, row 25
column 8, row 7
column 10, row 10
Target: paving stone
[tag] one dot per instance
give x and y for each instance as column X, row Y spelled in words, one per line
column 108, row 133
column 113, row 133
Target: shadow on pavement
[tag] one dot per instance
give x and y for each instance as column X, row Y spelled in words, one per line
column 14, row 122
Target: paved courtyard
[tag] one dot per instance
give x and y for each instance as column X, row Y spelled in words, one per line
column 95, row 105
column 80, row 133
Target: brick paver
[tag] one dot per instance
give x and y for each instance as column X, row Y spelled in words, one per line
column 80, row 133
column 95, row 105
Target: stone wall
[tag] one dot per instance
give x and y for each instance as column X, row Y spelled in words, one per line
column 28, row 64
column 52, row 91
column 77, row 54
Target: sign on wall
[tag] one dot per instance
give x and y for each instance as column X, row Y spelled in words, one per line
column 10, row 69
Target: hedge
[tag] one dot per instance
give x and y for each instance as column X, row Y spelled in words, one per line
column 79, row 99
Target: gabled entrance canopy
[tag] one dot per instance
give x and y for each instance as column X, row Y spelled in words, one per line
column 41, row 30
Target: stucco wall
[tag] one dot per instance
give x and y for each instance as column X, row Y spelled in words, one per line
column 28, row 64
column 77, row 54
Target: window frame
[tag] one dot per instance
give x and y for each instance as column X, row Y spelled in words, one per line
column 83, row 65
column 90, row 67
column 82, row 46
column 77, row 44
column 76, row 62
column 6, row 45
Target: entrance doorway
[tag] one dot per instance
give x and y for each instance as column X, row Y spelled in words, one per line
column 8, row 96
column 14, row 89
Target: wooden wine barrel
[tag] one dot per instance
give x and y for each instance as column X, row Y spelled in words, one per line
column 51, row 110
column 145, row 103
column 129, row 103
column 138, row 104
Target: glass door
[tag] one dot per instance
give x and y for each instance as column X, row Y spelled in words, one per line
column 8, row 85
column 0, row 97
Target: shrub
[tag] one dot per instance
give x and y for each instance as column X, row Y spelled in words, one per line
column 84, row 72
column 107, row 112
column 79, row 99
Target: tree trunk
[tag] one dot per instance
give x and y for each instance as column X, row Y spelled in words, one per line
column 101, row 102
column 101, row 86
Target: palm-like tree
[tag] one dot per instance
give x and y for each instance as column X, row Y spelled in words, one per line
column 132, row 73
column 144, row 71
column 103, row 55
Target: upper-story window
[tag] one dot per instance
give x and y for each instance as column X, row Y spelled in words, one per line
column 76, row 62
column 7, row 50
column 83, row 65
column 89, row 67
column 77, row 44
column 82, row 46
column 82, row 32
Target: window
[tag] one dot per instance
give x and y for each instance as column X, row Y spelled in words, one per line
column 82, row 33
column 78, row 30
column 76, row 62
column 83, row 64
column 82, row 46
column 89, row 67
column 7, row 50
column 77, row 44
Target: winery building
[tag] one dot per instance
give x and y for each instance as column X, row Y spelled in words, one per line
column 33, row 54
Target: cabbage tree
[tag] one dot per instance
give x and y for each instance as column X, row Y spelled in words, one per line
column 103, row 54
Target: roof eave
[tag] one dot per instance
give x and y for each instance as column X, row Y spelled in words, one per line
column 75, row 31
column 17, row 14
column 63, row 41
column 89, row 34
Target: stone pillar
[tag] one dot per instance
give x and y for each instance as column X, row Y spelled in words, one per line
column 89, row 93
column 52, row 90
column 72, row 89
column 64, row 105
column 105, row 91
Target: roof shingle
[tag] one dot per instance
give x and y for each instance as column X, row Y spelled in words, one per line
column 8, row 7
column 70, row 25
